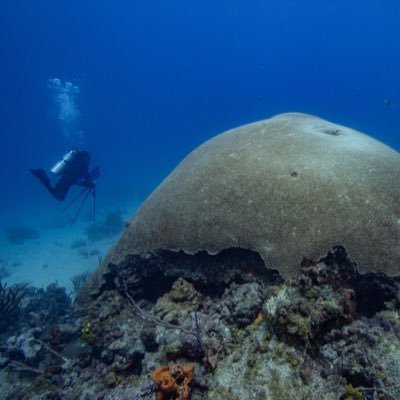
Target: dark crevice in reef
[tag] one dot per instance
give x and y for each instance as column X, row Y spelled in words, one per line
column 151, row 275
column 372, row 290
column 358, row 379
column 108, row 281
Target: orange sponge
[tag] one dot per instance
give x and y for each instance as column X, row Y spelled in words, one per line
column 174, row 381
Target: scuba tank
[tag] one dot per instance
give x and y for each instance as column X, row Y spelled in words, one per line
column 61, row 166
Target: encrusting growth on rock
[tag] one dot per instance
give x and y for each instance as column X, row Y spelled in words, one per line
column 174, row 381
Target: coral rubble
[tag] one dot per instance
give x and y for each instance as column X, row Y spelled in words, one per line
column 170, row 326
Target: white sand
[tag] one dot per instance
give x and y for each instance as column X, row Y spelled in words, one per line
column 52, row 257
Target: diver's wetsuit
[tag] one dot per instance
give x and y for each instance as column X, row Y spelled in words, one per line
column 75, row 172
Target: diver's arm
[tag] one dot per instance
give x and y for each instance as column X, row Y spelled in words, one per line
column 85, row 181
column 83, row 173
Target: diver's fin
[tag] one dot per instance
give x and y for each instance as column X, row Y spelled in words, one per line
column 40, row 174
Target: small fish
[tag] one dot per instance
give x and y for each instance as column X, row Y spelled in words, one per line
column 387, row 102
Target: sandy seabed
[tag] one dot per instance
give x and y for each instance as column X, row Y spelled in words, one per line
column 61, row 251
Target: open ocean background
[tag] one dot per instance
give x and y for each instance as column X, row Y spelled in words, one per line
column 158, row 78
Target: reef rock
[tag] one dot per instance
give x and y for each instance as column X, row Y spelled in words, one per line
column 289, row 187
column 311, row 338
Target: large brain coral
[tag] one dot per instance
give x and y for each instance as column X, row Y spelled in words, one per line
column 288, row 187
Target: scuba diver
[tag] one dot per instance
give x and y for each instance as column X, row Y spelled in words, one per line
column 73, row 169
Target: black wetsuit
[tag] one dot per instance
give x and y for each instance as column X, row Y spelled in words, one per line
column 74, row 172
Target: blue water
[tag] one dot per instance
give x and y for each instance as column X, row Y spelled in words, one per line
column 157, row 78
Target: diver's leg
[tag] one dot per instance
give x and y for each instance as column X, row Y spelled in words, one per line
column 41, row 175
column 61, row 189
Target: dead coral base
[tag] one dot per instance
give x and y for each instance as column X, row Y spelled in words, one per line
column 172, row 326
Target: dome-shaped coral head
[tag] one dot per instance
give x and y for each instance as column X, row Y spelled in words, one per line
column 289, row 187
